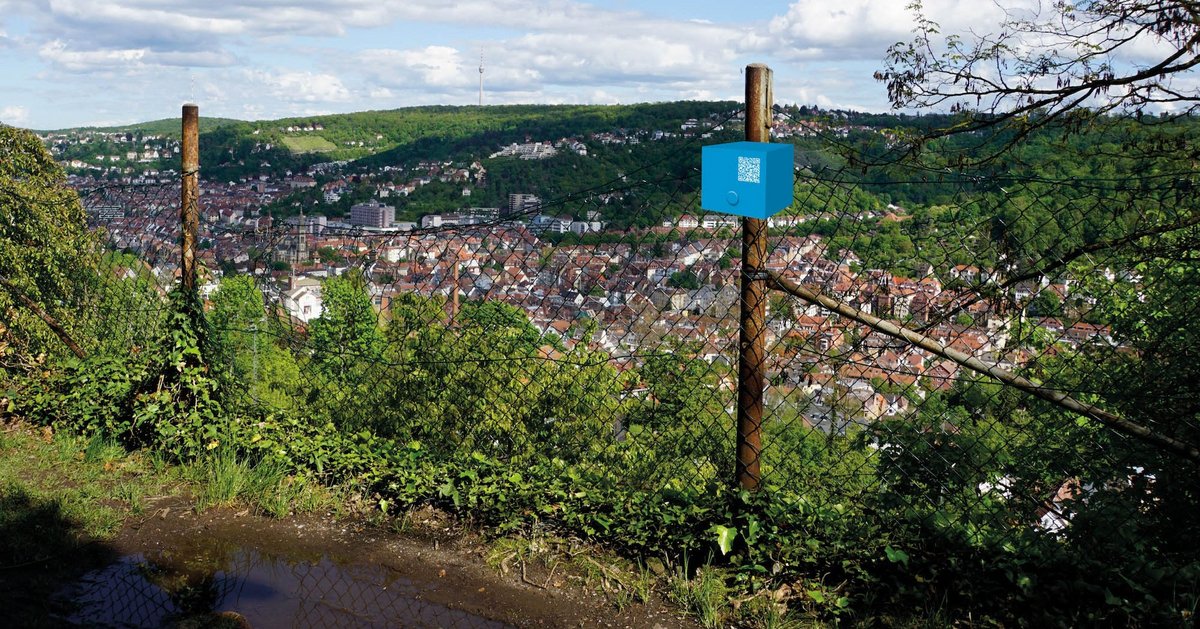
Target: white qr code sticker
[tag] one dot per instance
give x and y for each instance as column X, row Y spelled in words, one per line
column 748, row 169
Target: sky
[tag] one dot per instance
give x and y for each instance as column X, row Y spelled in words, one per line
column 98, row 62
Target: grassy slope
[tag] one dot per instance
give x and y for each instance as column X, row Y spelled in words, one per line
column 308, row 144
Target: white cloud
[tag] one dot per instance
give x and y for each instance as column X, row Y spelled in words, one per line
column 127, row 59
column 865, row 28
column 133, row 14
column 57, row 52
column 436, row 66
column 557, row 64
column 302, row 87
column 14, row 115
column 548, row 51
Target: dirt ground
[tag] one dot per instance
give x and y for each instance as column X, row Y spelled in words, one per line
column 229, row 567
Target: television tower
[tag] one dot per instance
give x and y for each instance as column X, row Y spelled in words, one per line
column 481, row 77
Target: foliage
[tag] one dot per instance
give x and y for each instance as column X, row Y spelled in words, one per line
column 481, row 413
column 246, row 353
column 163, row 397
column 46, row 252
column 684, row 279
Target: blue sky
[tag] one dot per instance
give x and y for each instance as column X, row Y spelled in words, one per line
column 85, row 62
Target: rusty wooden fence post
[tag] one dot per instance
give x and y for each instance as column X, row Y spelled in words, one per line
column 751, row 352
column 189, row 209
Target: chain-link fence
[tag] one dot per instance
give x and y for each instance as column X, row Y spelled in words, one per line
column 523, row 333
column 975, row 358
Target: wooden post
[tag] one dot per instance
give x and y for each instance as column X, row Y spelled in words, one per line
column 189, row 210
column 751, row 351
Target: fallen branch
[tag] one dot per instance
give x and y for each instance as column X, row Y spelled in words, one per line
column 50, row 321
column 1053, row 396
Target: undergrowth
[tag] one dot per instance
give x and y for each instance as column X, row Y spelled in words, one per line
column 773, row 558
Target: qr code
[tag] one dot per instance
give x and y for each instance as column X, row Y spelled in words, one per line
column 748, row 169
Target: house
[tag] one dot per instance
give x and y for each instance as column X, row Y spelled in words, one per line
column 304, row 301
column 301, row 181
column 686, row 221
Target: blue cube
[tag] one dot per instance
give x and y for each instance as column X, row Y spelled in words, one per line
column 752, row 179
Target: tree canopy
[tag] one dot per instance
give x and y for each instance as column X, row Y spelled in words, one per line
column 46, row 253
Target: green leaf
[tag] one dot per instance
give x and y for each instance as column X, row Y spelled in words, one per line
column 896, row 556
column 752, row 529
column 725, row 537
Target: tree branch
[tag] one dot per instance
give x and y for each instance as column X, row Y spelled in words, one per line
column 1058, row 398
column 50, row 321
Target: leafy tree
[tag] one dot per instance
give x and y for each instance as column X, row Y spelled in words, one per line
column 46, row 253
column 501, row 319
column 684, row 279
column 1046, row 304
column 1065, row 62
column 347, row 332
column 411, row 312
column 347, row 352
column 245, row 349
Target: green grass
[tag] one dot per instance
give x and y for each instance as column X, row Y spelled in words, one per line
column 94, row 484
column 59, row 491
column 706, row 596
column 222, row 479
column 308, row 144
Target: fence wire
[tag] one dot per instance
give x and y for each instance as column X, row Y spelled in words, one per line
column 509, row 335
column 525, row 335
column 1070, row 279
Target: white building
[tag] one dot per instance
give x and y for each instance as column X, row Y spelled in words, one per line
column 372, row 214
column 304, row 302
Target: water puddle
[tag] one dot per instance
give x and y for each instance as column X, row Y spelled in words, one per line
column 229, row 585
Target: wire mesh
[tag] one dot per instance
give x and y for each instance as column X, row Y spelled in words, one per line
column 503, row 332
column 1055, row 275
column 526, row 335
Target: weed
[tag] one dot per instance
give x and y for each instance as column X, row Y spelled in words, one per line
column 223, row 479
column 767, row 610
column 102, row 450
column 266, row 488
column 278, row 493
column 706, row 596
column 642, row 585
column 131, row 493
column 158, row 463
column 507, row 551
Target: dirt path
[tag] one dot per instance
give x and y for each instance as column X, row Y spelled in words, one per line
column 174, row 567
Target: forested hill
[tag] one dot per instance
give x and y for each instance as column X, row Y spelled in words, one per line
column 850, row 162
column 169, row 127
column 396, row 137
column 233, row 149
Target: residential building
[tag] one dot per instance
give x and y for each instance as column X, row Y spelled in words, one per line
column 372, row 214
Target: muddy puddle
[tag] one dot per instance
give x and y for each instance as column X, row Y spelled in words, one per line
column 176, row 568
column 233, row 586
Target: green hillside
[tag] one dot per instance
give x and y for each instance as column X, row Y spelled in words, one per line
column 308, row 144
column 167, row 126
column 403, row 136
